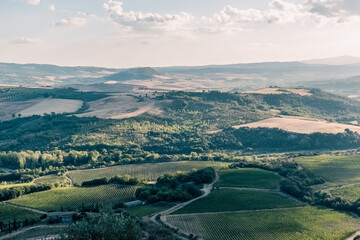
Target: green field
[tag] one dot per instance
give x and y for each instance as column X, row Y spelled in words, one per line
column 337, row 170
column 8, row 213
column 49, row 179
column 235, row 200
column 74, row 197
column 299, row 223
column 351, row 193
column 141, row 211
column 248, row 178
column 9, row 185
column 149, row 171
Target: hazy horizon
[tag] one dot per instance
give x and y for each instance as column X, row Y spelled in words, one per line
column 184, row 65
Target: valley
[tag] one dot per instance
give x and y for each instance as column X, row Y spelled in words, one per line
column 283, row 160
column 179, row 120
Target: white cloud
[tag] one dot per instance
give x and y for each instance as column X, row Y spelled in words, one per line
column 52, row 8
column 32, row 2
column 311, row 12
column 23, row 40
column 230, row 19
column 341, row 10
column 71, row 22
column 85, row 14
column 143, row 22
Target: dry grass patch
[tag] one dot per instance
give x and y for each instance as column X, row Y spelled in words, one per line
column 301, row 125
column 50, row 105
column 120, row 107
column 299, row 91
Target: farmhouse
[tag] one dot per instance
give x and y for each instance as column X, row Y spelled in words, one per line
column 63, row 217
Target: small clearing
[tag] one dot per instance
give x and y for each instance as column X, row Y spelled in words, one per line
column 299, row 91
column 50, row 105
column 168, row 84
column 301, row 125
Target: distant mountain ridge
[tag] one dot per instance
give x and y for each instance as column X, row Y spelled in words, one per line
column 341, row 60
column 240, row 77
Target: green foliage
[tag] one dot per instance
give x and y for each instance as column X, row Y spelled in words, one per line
column 18, row 191
column 109, row 225
column 272, row 139
column 54, row 180
column 95, row 182
column 177, row 187
column 235, row 200
column 222, row 109
column 226, row 109
column 104, row 226
column 123, row 180
column 298, row 182
column 23, row 94
column 183, row 127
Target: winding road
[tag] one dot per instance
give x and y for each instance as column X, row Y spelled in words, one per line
column 206, row 190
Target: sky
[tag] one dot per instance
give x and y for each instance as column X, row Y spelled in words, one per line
column 132, row 33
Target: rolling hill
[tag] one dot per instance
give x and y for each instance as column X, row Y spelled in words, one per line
column 133, row 74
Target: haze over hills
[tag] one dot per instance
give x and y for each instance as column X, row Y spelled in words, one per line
column 337, row 74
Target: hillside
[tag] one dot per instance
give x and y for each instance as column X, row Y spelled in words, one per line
column 184, row 122
column 133, row 74
column 88, row 159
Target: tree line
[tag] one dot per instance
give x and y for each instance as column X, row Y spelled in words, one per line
column 176, row 187
column 121, row 180
column 14, row 192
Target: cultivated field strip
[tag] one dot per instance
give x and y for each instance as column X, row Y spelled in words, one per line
column 224, row 200
column 337, row 170
column 8, row 213
column 237, row 211
column 292, row 223
column 74, row 197
column 351, row 192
